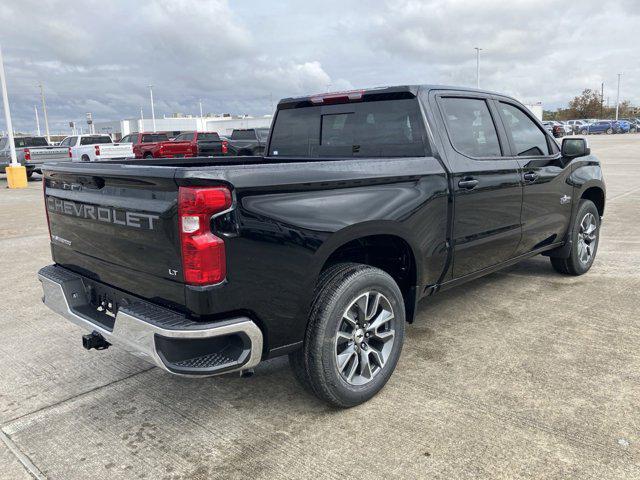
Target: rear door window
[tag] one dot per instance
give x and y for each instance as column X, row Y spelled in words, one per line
column 471, row 127
column 528, row 139
column 386, row 128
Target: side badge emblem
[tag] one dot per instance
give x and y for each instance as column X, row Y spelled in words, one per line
column 565, row 199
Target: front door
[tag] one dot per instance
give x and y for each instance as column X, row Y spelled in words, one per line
column 546, row 206
column 486, row 184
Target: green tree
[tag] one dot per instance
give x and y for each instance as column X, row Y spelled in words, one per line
column 585, row 105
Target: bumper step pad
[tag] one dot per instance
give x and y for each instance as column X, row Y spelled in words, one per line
column 159, row 335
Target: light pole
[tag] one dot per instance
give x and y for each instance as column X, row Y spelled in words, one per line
column 153, row 112
column 35, row 109
column 477, row 49
column 16, row 173
column 7, row 113
column 44, row 111
column 200, row 103
column 618, row 96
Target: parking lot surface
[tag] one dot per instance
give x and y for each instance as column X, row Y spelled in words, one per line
column 522, row 374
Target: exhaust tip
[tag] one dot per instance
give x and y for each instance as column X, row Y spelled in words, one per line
column 94, row 340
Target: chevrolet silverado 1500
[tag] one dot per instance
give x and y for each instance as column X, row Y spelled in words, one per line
column 158, row 145
column 248, row 141
column 31, row 152
column 364, row 203
column 96, row 148
column 205, row 144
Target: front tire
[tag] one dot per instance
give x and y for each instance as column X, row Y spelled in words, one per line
column 585, row 236
column 354, row 336
column 609, row 131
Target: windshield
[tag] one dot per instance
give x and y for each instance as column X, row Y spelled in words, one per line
column 386, row 128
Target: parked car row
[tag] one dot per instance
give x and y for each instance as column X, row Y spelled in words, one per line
column 592, row 126
column 33, row 152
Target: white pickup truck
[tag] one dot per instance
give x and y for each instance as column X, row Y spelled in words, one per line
column 96, row 147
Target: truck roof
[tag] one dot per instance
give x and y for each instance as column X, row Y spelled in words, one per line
column 398, row 91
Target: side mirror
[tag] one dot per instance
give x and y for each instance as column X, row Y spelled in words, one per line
column 575, row 147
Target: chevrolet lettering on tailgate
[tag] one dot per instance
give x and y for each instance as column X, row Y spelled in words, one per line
column 102, row 214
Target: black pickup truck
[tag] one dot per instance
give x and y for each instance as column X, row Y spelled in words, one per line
column 248, row 141
column 365, row 203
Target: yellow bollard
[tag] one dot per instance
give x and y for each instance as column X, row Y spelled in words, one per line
column 16, row 176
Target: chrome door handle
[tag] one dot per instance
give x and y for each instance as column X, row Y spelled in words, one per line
column 468, row 183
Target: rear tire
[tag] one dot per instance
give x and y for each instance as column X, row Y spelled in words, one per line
column 585, row 236
column 354, row 336
column 29, row 173
column 609, row 131
column 584, row 131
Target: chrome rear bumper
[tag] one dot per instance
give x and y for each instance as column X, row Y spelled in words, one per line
column 161, row 336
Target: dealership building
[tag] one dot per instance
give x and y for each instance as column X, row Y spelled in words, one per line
column 222, row 124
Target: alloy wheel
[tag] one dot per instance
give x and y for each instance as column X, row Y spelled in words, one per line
column 365, row 338
column 587, row 238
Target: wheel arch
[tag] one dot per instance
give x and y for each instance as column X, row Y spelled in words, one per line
column 597, row 196
column 388, row 248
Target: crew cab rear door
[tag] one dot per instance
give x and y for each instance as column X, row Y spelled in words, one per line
column 547, row 195
column 486, row 182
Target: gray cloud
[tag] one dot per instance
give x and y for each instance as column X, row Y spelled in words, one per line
column 100, row 56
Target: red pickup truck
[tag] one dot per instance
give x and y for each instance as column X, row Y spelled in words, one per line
column 158, row 145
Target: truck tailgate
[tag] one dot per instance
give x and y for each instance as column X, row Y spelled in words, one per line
column 46, row 154
column 116, row 150
column 117, row 224
column 176, row 149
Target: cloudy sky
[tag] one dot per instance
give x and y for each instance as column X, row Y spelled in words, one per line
column 97, row 56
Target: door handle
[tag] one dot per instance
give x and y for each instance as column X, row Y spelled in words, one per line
column 468, row 183
column 530, row 176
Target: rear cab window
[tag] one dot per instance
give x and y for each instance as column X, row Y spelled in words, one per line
column 243, row 135
column 22, row 142
column 155, row 137
column 209, row 137
column 375, row 128
column 93, row 140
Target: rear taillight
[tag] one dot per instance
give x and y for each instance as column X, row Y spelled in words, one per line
column 27, row 154
column 203, row 254
column 46, row 208
column 225, row 147
column 97, row 147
